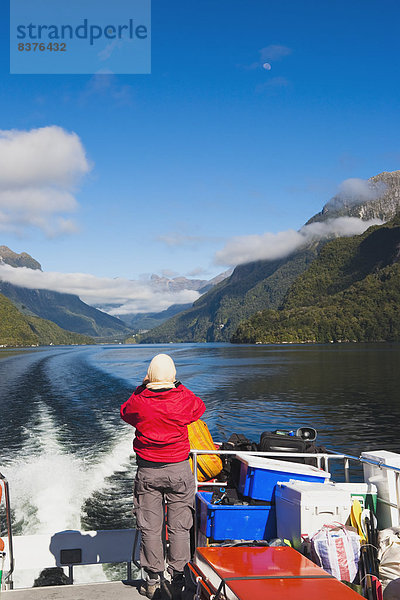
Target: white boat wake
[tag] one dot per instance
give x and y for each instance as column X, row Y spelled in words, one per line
column 48, row 485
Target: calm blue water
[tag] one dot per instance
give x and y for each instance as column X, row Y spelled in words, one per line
column 67, row 454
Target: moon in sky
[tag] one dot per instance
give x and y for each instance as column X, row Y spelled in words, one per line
column 267, row 66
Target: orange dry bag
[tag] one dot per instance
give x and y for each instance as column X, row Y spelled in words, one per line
column 208, row 465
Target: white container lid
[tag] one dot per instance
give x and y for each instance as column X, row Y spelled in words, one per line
column 284, row 466
column 358, row 488
column 309, row 486
column 387, row 457
column 311, row 493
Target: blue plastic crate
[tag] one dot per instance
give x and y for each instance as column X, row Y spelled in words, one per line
column 235, row 522
column 259, row 475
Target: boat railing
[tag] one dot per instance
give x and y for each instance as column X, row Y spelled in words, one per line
column 323, row 459
column 8, row 575
column 382, row 465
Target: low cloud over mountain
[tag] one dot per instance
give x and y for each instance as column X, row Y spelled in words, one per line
column 358, row 204
column 356, row 191
column 270, row 246
column 128, row 295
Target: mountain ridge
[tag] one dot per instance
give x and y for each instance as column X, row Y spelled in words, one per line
column 13, row 259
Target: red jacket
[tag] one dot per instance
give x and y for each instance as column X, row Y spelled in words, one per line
column 161, row 420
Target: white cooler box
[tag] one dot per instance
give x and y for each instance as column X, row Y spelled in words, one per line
column 302, row 508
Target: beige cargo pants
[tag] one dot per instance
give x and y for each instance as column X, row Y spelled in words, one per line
column 174, row 483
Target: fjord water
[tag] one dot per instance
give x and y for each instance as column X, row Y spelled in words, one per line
column 67, row 454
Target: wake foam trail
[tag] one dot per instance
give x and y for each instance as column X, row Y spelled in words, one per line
column 115, row 459
column 44, row 481
column 49, row 486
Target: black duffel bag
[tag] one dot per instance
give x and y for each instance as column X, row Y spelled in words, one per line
column 277, row 442
column 231, row 468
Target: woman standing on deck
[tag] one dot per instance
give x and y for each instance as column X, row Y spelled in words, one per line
column 161, row 409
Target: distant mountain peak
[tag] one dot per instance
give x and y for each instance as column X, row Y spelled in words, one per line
column 175, row 284
column 375, row 198
column 13, row 259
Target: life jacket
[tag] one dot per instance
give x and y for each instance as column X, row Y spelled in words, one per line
column 208, row 465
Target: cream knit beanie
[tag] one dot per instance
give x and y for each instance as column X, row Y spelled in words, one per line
column 161, row 373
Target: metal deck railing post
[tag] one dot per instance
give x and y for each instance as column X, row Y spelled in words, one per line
column 71, row 574
column 347, row 470
column 8, row 577
column 196, row 481
column 397, row 480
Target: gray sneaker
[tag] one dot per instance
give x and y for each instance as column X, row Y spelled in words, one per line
column 149, row 588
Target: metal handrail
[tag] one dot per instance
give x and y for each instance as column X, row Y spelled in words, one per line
column 319, row 456
column 8, row 576
column 326, row 456
column 370, row 461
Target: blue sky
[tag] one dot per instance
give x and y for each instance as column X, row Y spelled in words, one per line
column 212, row 145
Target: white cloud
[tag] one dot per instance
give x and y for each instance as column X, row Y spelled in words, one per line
column 46, row 156
column 169, row 273
column 274, row 52
column 357, row 191
column 39, row 170
column 126, row 295
column 107, row 86
column 275, row 83
column 269, row 54
column 197, row 271
column 272, row 246
column 109, row 49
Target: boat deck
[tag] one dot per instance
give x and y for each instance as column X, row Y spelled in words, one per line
column 110, row 590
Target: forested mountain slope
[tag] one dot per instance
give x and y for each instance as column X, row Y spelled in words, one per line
column 17, row 329
column 215, row 316
column 351, row 292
